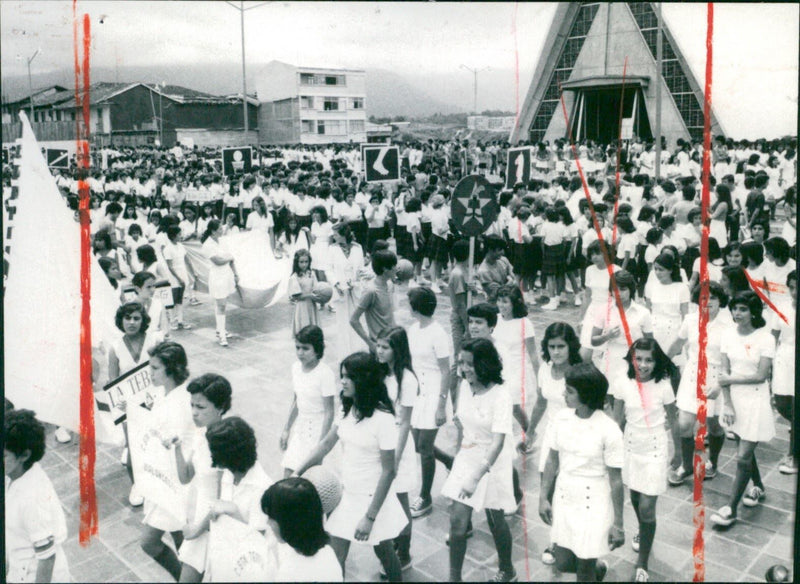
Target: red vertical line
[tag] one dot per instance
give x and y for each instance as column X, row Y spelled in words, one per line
column 87, row 454
column 619, row 152
column 698, row 546
column 604, row 248
column 756, row 285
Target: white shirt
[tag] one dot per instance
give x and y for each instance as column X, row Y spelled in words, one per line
column 295, row 567
column 312, row 387
column 645, row 410
column 586, row 446
column 362, row 443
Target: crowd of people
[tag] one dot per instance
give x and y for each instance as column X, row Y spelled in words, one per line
column 611, row 396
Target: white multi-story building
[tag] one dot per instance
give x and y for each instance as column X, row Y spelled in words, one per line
column 311, row 105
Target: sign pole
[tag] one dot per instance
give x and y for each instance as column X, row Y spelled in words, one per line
column 469, row 274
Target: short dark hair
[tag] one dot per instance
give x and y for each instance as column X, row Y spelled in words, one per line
column 714, row 289
column 173, row 231
column 753, row 251
column 460, row 250
column 146, row 254
column 751, row 300
column 130, row 308
column 215, row 388
column 232, row 443
column 494, row 242
column 485, row 360
column 382, row 260
column 590, row 384
column 296, row 507
column 113, row 207
column 22, row 431
column 140, row 278
column 484, row 310
column 562, row 330
column 624, row 279
column 422, row 300
column 518, row 306
column 778, row 247
column 312, row 335
column 173, row 356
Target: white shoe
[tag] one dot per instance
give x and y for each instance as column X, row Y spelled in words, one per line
column 63, row 436
column 578, row 300
column 552, row 305
column 412, row 284
column 134, row 498
column 436, row 289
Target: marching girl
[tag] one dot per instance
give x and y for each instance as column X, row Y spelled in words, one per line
column 144, row 284
column 367, row 512
column 402, row 387
column 429, row 345
column 132, row 242
column 596, row 295
column 481, row 475
column 301, row 291
column 320, row 236
column 560, row 350
column 314, row 387
column 783, row 373
column 179, row 269
column 644, row 406
column 261, row 220
column 347, row 263
column 747, row 354
column 438, row 250
column 210, row 400
column 35, row 524
column 552, row 255
column 667, row 298
column 582, row 493
column 294, row 237
column 222, row 276
column 688, row 335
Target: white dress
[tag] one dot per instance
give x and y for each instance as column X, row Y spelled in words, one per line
column 784, row 366
column 33, row 513
column 220, row 278
column 610, row 356
column 481, row 417
column 124, row 357
column 754, row 420
column 319, row 249
column 665, row 309
column 582, row 507
column 602, row 301
column 194, row 551
column 553, row 391
column 295, row 567
column 407, row 478
column 646, row 442
column 518, row 376
column 310, row 390
column 427, row 345
column 344, row 270
column 362, row 443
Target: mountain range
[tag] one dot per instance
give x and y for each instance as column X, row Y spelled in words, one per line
column 388, row 93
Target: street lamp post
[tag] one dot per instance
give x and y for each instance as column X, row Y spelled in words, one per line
column 30, row 84
column 475, row 72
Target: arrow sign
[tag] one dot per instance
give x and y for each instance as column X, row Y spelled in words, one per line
column 518, row 169
column 381, row 163
column 473, row 207
column 57, row 158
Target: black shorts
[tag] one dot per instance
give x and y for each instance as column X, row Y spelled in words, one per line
column 177, row 294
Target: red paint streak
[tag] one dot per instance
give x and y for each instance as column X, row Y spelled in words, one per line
column 606, row 256
column 756, row 285
column 619, row 152
column 88, row 498
column 698, row 545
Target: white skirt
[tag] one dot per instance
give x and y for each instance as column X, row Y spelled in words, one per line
column 408, row 470
column 754, row 419
column 388, row 524
column 665, row 329
column 783, row 370
column 159, row 518
column 424, row 415
column 495, row 489
column 646, row 460
column 220, row 282
column 582, row 515
column 304, row 437
column 193, row 552
column 24, row 569
column 686, row 399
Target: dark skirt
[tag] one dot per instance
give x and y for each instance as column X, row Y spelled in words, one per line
column 303, row 221
column 534, row 252
column 405, row 245
column 373, row 235
column 575, row 261
column 553, row 260
column 426, row 237
column 437, row 249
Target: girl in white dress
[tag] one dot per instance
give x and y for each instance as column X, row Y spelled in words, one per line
column 314, row 386
column 222, row 276
column 35, row 524
column 597, row 299
column 689, row 336
column 320, row 235
column 783, row 373
column 667, row 299
column 347, row 266
column 367, row 512
column 403, row 387
column 560, row 350
column 430, row 352
column 261, row 220
column 210, row 399
column 644, row 405
column 294, row 511
column 748, row 350
column 582, row 493
column 481, row 475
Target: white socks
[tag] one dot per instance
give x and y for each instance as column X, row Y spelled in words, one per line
column 220, row 318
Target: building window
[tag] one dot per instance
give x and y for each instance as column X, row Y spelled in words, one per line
column 331, row 104
column 332, row 127
column 334, row 79
column 356, row 126
column 307, row 79
column 357, row 103
column 306, row 102
column 320, row 127
column 306, row 126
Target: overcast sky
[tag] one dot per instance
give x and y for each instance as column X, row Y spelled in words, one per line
column 755, row 45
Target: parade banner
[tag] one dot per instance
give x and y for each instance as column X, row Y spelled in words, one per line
column 135, row 388
column 238, row 553
column 154, row 468
column 163, row 290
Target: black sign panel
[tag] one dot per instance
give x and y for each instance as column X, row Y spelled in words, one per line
column 473, row 206
column 381, row 163
column 57, row 158
column 237, row 160
column 519, row 167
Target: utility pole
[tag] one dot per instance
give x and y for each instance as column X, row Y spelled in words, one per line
column 659, row 65
column 475, row 72
column 30, row 84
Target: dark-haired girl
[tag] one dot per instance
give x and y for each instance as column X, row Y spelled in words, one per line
column 667, row 298
column 402, row 387
column 582, row 493
column 481, row 477
column 747, row 353
column 783, row 373
column 644, row 406
column 294, row 512
column 210, row 400
column 35, row 524
column 222, row 276
column 301, row 291
column 314, row 386
column 368, row 512
column 597, row 298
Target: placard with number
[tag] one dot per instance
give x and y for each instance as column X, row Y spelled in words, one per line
column 518, row 169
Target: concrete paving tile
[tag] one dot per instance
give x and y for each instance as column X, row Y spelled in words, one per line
column 714, row 572
column 728, row 552
column 100, row 569
column 781, row 546
column 764, row 561
column 777, row 480
column 750, row 534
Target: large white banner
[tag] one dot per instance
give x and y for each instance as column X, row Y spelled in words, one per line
column 238, row 553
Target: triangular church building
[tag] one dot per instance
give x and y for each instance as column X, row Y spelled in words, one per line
column 585, row 53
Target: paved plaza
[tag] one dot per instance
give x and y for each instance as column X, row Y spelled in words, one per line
column 257, row 363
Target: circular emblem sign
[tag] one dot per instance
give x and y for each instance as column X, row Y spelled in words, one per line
column 473, row 206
